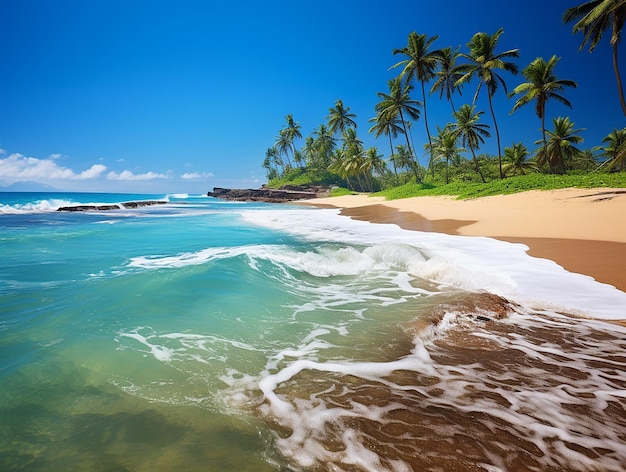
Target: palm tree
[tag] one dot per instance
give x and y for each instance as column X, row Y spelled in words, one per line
column 447, row 75
column 273, row 156
column 403, row 158
column 397, row 103
column 542, row 85
column 484, row 63
column 373, row 162
column 293, row 129
column 420, row 65
column 324, row 145
column 340, row 118
column 308, row 151
column 560, row 147
column 593, row 19
column 515, row 160
column 471, row 132
column 337, row 165
column 445, row 147
column 615, row 149
column 284, row 144
column 586, row 160
column 390, row 126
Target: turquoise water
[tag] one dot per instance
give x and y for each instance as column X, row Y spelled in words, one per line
column 206, row 335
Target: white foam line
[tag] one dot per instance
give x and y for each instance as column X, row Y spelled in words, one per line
column 469, row 263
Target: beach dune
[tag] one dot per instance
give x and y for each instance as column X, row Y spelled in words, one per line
column 582, row 230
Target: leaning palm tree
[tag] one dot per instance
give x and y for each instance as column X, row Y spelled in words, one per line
column 340, row 118
column 615, row 149
column 542, row 85
column 560, row 147
column 593, row 18
column 398, row 103
column 447, row 75
column 471, row 132
column 515, row 160
column 485, row 64
column 420, row 64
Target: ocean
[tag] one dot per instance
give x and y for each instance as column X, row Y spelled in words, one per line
column 204, row 335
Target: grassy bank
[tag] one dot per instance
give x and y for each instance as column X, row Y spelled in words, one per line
column 507, row 186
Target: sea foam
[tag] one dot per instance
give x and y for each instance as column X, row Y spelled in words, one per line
column 468, row 263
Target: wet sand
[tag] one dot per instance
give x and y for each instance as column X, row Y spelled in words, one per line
column 580, row 229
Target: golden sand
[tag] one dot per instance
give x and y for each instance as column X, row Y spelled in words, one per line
column 583, row 230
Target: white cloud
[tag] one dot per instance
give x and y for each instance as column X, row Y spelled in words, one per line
column 93, row 172
column 18, row 167
column 128, row 175
column 197, row 175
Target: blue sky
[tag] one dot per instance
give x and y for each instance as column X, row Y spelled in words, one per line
column 182, row 96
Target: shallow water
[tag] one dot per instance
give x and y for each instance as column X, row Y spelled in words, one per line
column 207, row 335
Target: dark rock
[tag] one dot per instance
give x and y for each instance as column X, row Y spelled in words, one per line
column 112, row 206
column 288, row 193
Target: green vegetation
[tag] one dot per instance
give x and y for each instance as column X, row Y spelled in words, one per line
column 506, row 186
column 334, row 154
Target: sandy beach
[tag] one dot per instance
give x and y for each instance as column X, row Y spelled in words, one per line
column 582, row 230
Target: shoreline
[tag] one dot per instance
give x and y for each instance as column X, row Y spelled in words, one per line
column 578, row 229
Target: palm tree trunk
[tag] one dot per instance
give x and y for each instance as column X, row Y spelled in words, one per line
column 482, row 177
column 543, row 130
column 620, row 89
column 430, row 144
column 395, row 171
column 495, row 125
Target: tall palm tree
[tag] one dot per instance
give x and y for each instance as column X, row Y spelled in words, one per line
column 420, row 64
column 593, row 18
column 398, row 103
column 560, row 147
column 485, row 64
column 542, row 85
column 340, row 118
column 516, row 162
column 470, row 131
column 447, row 75
column 615, row 149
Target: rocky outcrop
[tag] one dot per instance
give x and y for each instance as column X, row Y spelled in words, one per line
column 112, row 206
column 288, row 193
